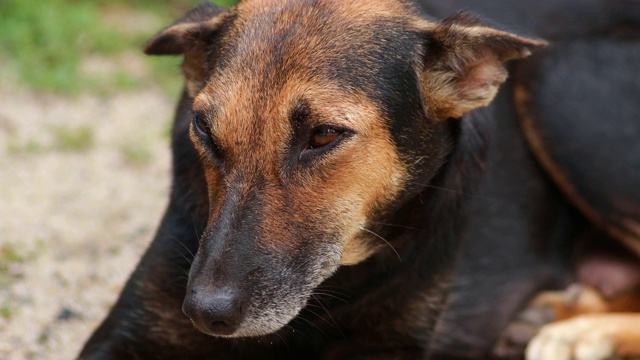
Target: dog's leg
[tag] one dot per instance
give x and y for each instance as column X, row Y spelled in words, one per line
column 574, row 324
column 588, row 337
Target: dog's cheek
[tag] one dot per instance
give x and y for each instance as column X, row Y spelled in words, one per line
column 215, row 193
column 357, row 250
column 371, row 179
column 273, row 305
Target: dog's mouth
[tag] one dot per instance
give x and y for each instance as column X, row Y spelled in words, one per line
column 222, row 317
column 258, row 304
column 222, row 314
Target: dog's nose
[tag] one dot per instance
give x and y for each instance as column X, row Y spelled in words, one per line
column 217, row 312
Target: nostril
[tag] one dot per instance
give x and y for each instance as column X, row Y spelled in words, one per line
column 222, row 327
column 217, row 312
column 219, row 324
column 189, row 308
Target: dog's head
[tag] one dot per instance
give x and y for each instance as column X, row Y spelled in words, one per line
column 314, row 119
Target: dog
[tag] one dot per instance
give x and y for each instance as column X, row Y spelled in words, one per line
column 348, row 183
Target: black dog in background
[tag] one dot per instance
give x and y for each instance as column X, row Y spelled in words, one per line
column 427, row 281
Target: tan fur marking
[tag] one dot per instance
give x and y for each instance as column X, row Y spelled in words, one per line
column 452, row 95
column 584, row 300
column 202, row 102
column 590, row 336
column 358, row 250
column 586, row 322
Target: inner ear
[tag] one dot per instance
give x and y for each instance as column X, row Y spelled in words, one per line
column 463, row 64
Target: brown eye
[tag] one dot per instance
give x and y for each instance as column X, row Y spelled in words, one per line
column 323, row 136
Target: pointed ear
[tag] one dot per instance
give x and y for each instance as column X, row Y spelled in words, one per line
column 195, row 26
column 192, row 35
column 464, row 64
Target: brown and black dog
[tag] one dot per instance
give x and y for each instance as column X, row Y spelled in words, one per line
column 326, row 155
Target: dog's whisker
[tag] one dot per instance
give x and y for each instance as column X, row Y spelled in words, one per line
column 336, row 293
column 397, row 225
column 297, row 331
column 321, row 317
column 329, row 291
column 183, row 245
column 340, row 288
column 195, row 228
column 383, row 239
column 283, row 340
column 185, row 271
column 312, row 324
column 330, row 316
column 451, row 190
column 183, row 256
column 178, row 283
column 331, row 296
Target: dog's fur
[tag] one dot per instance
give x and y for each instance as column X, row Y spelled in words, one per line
column 347, row 249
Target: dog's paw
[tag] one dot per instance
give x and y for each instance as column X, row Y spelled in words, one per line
column 546, row 308
column 518, row 334
column 587, row 337
column 575, row 339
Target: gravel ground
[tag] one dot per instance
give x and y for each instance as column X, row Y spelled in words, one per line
column 83, row 184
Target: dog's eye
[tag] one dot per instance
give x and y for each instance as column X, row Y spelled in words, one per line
column 203, row 129
column 323, row 136
column 200, row 124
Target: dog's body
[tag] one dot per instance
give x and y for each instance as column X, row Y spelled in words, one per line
column 416, row 279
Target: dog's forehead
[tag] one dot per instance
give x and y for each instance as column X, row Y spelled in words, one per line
column 336, row 56
column 306, row 32
column 273, row 49
column 353, row 9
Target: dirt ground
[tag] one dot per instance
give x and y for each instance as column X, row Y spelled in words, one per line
column 83, row 184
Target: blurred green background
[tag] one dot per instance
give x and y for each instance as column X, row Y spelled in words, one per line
column 73, row 46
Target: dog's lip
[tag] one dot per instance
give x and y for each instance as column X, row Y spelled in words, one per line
column 250, row 326
column 225, row 334
column 240, row 331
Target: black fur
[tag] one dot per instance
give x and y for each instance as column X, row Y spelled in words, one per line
column 459, row 280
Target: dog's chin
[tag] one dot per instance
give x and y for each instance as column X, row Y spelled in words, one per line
column 255, row 327
column 243, row 333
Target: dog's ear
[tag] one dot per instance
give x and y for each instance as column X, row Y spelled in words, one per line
column 463, row 64
column 191, row 35
column 196, row 26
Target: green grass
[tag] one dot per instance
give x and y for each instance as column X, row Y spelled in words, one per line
column 226, row 2
column 68, row 139
column 5, row 310
column 43, row 43
column 31, row 146
column 12, row 255
column 9, row 255
column 137, row 153
column 64, row 139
